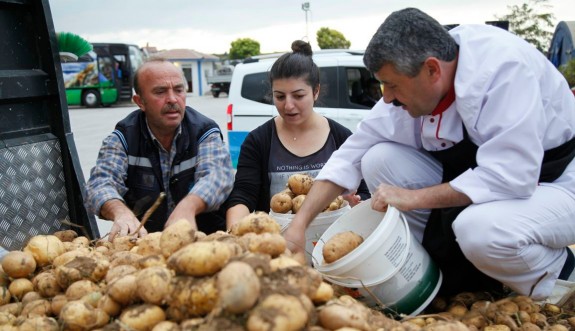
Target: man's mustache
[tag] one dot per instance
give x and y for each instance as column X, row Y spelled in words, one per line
column 172, row 107
column 397, row 103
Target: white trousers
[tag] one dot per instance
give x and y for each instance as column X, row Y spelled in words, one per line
column 519, row 242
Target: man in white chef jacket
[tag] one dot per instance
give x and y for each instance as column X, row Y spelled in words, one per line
column 473, row 142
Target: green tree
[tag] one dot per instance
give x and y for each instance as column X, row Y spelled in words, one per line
column 531, row 21
column 243, row 48
column 329, row 38
column 568, row 70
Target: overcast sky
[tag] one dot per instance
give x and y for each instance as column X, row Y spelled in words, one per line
column 210, row 26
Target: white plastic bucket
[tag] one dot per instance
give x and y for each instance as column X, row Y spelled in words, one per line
column 390, row 266
column 315, row 229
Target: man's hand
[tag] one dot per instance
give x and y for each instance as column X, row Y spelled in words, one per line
column 387, row 195
column 437, row 196
column 295, row 238
column 125, row 222
column 187, row 208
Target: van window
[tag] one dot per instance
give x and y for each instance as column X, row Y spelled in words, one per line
column 256, row 87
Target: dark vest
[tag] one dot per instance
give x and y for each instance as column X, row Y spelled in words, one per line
column 459, row 275
column 144, row 180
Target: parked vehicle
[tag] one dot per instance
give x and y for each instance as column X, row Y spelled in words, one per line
column 90, row 81
column 343, row 76
column 102, row 77
column 42, row 186
column 220, row 82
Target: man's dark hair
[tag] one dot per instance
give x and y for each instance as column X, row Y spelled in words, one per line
column 406, row 39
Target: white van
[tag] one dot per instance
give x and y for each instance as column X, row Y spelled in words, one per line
column 343, row 77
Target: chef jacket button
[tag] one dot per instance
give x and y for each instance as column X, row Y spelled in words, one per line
column 443, row 145
column 432, row 120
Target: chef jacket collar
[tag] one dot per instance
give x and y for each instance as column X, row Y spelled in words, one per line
column 445, row 102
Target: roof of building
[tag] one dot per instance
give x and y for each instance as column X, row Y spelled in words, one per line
column 185, row 54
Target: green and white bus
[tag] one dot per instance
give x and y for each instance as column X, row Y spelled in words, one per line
column 103, row 76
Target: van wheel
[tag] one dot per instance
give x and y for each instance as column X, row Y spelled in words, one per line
column 216, row 94
column 91, row 99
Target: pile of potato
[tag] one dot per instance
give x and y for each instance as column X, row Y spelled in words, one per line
column 182, row 279
column 291, row 199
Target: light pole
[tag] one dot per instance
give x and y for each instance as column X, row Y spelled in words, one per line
column 305, row 8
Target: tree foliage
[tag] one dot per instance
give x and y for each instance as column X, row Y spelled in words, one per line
column 531, row 21
column 329, row 38
column 568, row 70
column 243, row 48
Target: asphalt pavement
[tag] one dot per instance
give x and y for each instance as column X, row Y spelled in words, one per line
column 91, row 125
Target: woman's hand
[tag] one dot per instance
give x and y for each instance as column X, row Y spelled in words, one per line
column 352, row 198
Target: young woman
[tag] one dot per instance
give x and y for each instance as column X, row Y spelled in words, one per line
column 299, row 140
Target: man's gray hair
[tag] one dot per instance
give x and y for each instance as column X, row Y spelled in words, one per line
column 406, row 39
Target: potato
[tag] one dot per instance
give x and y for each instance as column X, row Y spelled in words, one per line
column 39, row 307
column 153, row 284
column 300, row 183
column 340, row 245
column 69, row 256
column 57, row 302
column 238, row 287
column 272, row 244
column 124, row 257
column 152, row 261
column 44, row 248
column 17, row 264
column 30, row 296
column 66, row 235
column 336, row 204
column 78, row 315
column 13, row 308
column 119, row 271
column 4, row 279
column 108, row 305
column 123, row 289
column 80, row 288
column 258, row 222
column 297, row 202
column 278, row 312
column 176, row 236
column 340, row 313
column 192, row 297
column 4, row 295
column 281, row 203
column 43, row 323
column 202, row 258
column 81, row 267
column 20, row 286
column 142, row 317
column 166, row 326
column 323, row 294
column 150, row 244
column 283, row 261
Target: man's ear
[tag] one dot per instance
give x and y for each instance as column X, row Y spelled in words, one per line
column 432, row 67
column 138, row 100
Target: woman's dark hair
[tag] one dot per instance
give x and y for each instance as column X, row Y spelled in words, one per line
column 297, row 64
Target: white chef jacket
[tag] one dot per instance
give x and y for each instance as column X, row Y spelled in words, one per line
column 513, row 103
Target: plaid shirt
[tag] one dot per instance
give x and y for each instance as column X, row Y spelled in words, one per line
column 213, row 179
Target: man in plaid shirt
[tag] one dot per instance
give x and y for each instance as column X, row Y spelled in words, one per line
column 162, row 147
